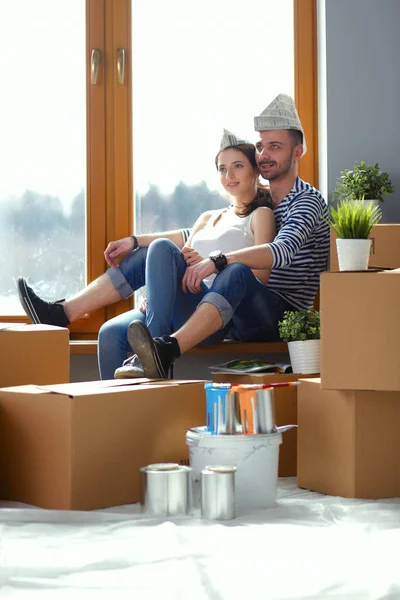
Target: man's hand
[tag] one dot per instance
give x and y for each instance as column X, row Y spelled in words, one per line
column 116, row 249
column 190, row 256
column 194, row 275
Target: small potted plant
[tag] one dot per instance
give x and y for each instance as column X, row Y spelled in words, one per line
column 352, row 221
column 301, row 330
column 364, row 182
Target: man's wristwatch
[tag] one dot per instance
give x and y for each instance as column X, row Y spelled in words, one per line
column 135, row 242
column 218, row 259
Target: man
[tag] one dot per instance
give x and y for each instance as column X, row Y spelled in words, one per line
column 296, row 257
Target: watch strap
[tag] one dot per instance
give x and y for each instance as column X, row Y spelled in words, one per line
column 220, row 262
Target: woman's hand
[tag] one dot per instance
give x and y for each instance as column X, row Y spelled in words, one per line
column 190, row 256
column 143, row 306
column 116, row 249
column 194, row 275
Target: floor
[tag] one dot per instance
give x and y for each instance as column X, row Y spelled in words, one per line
column 310, row 547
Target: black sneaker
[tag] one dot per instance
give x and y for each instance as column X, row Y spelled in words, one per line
column 131, row 368
column 157, row 355
column 38, row 310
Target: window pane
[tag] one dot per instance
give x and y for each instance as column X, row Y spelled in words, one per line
column 199, row 68
column 43, row 149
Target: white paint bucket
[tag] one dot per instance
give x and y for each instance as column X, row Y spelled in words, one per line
column 254, row 456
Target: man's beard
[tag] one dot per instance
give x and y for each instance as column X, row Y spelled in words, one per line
column 283, row 170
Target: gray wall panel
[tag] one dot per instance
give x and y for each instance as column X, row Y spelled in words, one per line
column 362, row 89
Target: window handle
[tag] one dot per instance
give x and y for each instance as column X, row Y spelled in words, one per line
column 94, row 65
column 121, row 57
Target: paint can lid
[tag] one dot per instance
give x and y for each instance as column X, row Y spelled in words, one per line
column 162, row 467
column 220, row 469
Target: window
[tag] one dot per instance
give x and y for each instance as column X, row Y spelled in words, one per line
column 43, row 149
column 50, row 115
column 67, row 170
column 198, row 68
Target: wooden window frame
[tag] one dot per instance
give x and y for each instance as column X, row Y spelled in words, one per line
column 96, row 190
column 306, row 83
column 112, row 163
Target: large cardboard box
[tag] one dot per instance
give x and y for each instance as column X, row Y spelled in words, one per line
column 360, row 330
column 33, row 354
column 285, row 413
column 385, row 247
column 348, row 442
column 80, row 446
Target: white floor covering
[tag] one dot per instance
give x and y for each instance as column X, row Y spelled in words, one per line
column 310, row 546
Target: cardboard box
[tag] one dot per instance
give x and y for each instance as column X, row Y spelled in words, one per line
column 80, row 446
column 385, row 248
column 360, row 330
column 348, row 442
column 33, row 354
column 285, row 412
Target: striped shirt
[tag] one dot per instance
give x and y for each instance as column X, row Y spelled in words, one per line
column 300, row 249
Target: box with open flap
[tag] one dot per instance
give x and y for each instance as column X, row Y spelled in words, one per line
column 80, row 445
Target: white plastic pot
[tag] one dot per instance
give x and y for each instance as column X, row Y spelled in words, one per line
column 369, row 202
column 353, row 255
column 305, row 356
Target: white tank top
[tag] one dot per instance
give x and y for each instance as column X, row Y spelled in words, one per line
column 231, row 233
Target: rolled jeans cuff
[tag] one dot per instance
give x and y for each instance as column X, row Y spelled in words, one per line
column 221, row 303
column 119, row 282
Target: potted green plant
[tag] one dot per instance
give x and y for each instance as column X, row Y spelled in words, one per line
column 352, row 221
column 363, row 182
column 301, row 330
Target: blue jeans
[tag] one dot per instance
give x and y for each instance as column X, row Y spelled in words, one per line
column 161, row 268
column 250, row 311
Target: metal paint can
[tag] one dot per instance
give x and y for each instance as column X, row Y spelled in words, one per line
column 166, row 490
column 223, row 414
column 218, row 492
column 257, row 409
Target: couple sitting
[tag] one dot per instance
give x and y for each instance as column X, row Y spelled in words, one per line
column 240, row 269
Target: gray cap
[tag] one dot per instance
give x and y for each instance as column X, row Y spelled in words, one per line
column 280, row 114
column 229, row 139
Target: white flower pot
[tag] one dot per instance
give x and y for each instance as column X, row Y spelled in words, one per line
column 368, row 202
column 305, row 356
column 353, row 255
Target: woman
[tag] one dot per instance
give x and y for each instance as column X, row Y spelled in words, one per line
column 159, row 261
column 247, row 221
